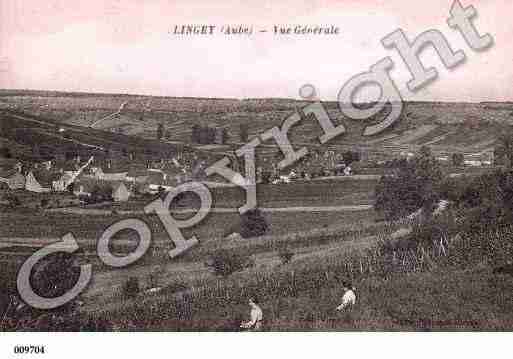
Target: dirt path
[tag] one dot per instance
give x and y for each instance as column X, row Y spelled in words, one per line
column 102, row 212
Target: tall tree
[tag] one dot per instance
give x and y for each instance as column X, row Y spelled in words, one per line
column 504, row 151
column 195, row 133
column 160, row 131
column 225, row 136
column 244, row 133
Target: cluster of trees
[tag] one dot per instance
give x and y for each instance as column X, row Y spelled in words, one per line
column 486, row 200
column 415, row 184
column 208, row 135
column 350, row 157
column 503, row 153
column 5, row 152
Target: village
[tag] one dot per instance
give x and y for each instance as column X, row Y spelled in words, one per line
column 67, row 180
column 67, row 183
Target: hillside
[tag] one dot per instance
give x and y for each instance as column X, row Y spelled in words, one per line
column 447, row 127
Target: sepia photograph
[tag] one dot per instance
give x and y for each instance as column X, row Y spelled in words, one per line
column 333, row 167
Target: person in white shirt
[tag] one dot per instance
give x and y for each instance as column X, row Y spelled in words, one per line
column 349, row 297
column 255, row 324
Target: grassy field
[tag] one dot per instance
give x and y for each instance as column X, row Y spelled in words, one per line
column 448, row 292
column 460, row 301
column 303, row 294
column 54, row 225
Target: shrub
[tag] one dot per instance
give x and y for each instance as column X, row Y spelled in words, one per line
column 101, row 193
column 285, row 255
column 44, row 202
column 225, row 262
column 350, row 157
column 131, row 288
column 174, row 287
column 13, row 200
column 458, row 159
column 415, row 185
column 5, row 152
column 253, row 224
column 487, row 200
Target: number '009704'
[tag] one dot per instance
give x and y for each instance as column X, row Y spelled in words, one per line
column 29, row 349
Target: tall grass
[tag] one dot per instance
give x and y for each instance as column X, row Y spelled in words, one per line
column 301, row 277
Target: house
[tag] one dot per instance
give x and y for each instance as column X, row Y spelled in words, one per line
column 88, row 186
column 10, row 173
column 12, row 179
column 478, row 159
column 32, row 184
column 120, row 192
column 473, row 163
column 110, row 176
column 63, row 182
column 106, row 190
column 174, row 175
column 141, row 188
column 16, row 181
column 137, row 174
column 156, row 177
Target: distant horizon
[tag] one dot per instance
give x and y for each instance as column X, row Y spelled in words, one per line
column 70, row 92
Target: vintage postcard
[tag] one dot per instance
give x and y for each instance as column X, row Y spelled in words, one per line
column 259, row 166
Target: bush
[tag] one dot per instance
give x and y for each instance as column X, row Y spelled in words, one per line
column 5, row 152
column 350, row 157
column 13, row 200
column 44, row 203
column 101, row 193
column 253, row 224
column 415, row 185
column 131, row 288
column 174, row 287
column 486, row 200
column 458, row 159
column 285, row 255
column 225, row 263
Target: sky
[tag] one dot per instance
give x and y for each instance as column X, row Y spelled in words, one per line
column 125, row 46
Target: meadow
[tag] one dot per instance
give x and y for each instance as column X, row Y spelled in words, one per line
column 448, row 292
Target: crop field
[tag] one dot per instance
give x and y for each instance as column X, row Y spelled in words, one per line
column 444, row 126
column 25, row 231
